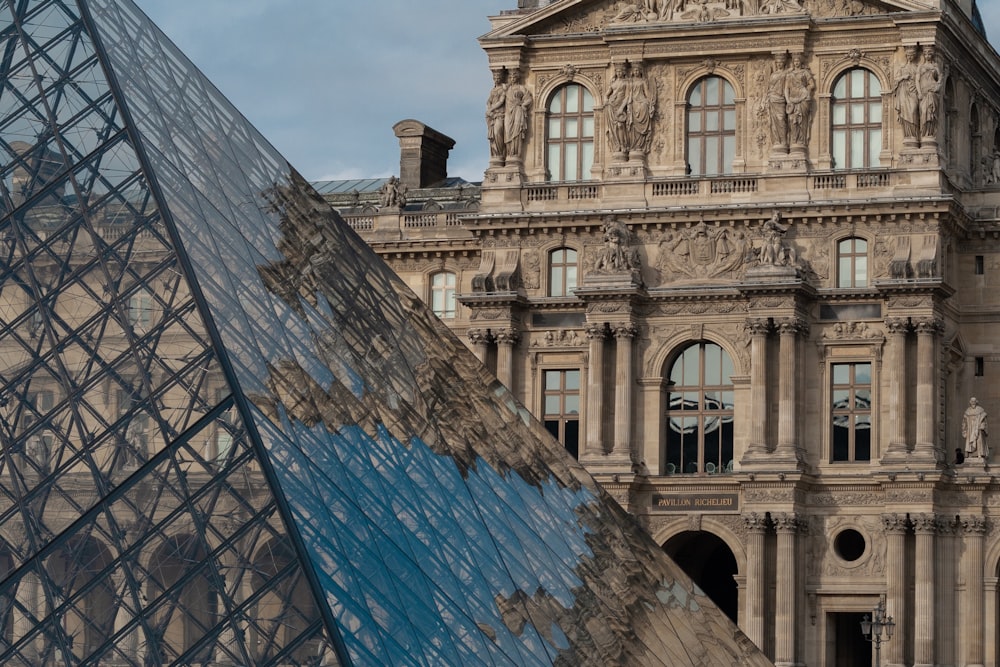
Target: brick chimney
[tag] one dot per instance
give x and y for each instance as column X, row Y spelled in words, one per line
column 423, row 154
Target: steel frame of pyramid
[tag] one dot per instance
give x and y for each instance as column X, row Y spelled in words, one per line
column 231, row 436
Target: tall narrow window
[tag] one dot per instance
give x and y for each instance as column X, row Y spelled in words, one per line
column 700, row 412
column 711, row 127
column 852, row 263
column 140, row 309
column 856, row 110
column 443, row 294
column 851, row 393
column 562, row 272
column 561, row 409
column 570, row 134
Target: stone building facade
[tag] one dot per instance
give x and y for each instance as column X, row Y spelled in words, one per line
column 742, row 258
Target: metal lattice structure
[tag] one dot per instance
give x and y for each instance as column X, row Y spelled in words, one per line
column 231, row 436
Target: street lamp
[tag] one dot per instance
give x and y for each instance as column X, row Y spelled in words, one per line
column 873, row 627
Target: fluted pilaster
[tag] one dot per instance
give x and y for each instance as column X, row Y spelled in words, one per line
column 925, row 526
column 506, row 340
column 786, row 622
column 624, row 333
column 974, row 532
column 753, row 618
column 758, row 330
column 480, row 339
column 597, row 334
column 895, row 527
column 927, row 343
column 789, row 331
column 898, row 327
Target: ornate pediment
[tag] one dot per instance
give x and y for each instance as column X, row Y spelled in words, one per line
column 595, row 16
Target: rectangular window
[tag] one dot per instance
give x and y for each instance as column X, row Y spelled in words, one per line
column 980, row 267
column 851, row 412
column 140, row 309
column 980, row 367
column 561, row 407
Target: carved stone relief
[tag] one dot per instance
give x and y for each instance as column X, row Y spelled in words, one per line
column 560, row 338
column 531, row 269
column 825, row 560
column 702, row 252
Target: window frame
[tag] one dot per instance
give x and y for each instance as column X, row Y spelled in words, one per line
column 562, row 419
column 584, row 144
column 448, row 292
column 568, row 270
column 725, row 388
column 872, row 131
column 853, row 256
column 702, row 136
column 832, row 412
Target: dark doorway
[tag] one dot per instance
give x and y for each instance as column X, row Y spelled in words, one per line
column 709, row 562
column 850, row 648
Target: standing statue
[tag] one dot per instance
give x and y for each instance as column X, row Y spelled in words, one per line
column 392, row 194
column 907, row 101
column 776, row 105
column 616, row 111
column 799, row 88
column 773, row 251
column 642, row 106
column 495, row 104
column 518, row 102
column 616, row 256
column 928, row 88
column 974, row 429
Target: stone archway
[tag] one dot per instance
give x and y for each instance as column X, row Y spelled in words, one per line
column 709, row 561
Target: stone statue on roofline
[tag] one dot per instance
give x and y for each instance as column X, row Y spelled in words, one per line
column 392, row 194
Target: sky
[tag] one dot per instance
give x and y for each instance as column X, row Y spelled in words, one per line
column 325, row 80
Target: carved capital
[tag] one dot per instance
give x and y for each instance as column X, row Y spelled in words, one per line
column 946, row 525
column 793, row 326
column 755, row 523
column 508, row 337
column 897, row 325
column 626, row 330
column 786, row 522
column 894, row 524
column 479, row 336
column 929, row 326
column 974, row 525
column 926, row 524
column 758, row 326
column 597, row 330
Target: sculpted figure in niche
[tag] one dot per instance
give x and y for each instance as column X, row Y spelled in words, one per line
column 616, row 111
column 773, row 251
column 928, row 89
column 907, row 102
column 799, row 88
column 974, row 430
column 776, row 105
column 616, row 256
column 642, row 106
column 495, row 117
column 517, row 103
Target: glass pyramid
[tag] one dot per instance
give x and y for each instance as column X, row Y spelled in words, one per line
column 230, row 436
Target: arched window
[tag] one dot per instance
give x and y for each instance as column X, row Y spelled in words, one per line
column 443, row 294
column 852, row 263
column 88, row 620
column 711, row 127
column 570, row 134
column 856, row 113
column 562, row 272
column 184, row 598
column 700, row 411
column 285, row 612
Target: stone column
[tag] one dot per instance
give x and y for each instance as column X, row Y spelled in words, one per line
column 623, row 332
column 597, row 334
column 895, row 526
column 973, row 532
column 896, row 367
column 758, row 329
column 506, row 340
column 25, row 621
column 788, row 388
column 753, row 617
column 480, row 339
column 787, row 618
column 925, row 526
column 927, row 333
